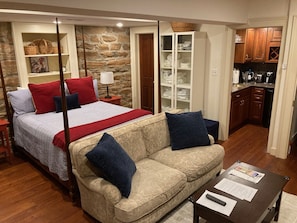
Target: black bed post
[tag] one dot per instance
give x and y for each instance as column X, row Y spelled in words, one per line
column 72, row 182
column 159, row 75
column 8, row 109
column 84, row 50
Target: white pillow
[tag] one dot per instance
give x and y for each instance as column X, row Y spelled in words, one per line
column 21, row 101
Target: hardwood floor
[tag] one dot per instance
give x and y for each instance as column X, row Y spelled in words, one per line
column 28, row 196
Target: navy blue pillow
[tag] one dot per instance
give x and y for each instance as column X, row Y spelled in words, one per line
column 71, row 100
column 187, row 130
column 114, row 162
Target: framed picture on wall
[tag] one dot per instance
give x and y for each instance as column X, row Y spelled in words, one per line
column 39, row 64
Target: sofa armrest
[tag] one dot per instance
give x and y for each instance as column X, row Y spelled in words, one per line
column 211, row 139
column 100, row 186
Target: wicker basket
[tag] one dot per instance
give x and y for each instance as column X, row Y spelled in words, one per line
column 44, row 46
column 55, row 50
column 31, row 50
column 182, row 26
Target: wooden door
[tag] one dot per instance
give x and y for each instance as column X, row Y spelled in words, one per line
column 146, row 61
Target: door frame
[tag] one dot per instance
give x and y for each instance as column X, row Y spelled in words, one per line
column 279, row 130
column 135, row 74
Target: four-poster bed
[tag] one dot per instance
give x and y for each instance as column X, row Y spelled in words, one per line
column 49, row 130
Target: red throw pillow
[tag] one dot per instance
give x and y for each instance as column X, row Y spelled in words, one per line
column 84, row 87
column 43, row 94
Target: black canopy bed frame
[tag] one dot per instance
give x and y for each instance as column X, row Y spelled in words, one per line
column 70, row 185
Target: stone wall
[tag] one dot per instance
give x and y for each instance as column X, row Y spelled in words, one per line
column 8, row 63
column 106, row 49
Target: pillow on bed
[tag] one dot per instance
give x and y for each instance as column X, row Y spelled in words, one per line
column 43, row 94
column 21, row 101
column 71, row 100
column 114, row 162
column 95, row 84
column 187, row 130
column 84, row 87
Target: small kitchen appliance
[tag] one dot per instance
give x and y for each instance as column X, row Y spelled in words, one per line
column 269, row 77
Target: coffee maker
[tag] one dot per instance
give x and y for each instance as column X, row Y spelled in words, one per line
column 269, row 77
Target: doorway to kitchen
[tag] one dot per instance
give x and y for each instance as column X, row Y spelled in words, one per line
column 256, row 57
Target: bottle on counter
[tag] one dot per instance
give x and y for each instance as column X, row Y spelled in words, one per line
column 235, row 78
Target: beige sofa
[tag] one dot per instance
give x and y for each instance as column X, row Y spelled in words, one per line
column 164, row 178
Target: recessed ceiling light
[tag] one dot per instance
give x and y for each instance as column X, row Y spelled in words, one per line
column 119, row 24
column 57, row 21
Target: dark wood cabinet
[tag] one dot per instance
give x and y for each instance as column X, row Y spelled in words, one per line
column 249, row 44
column 244, row 45
column 257, row 105
column 239, row 113
column 274, row 36
column 258, row 45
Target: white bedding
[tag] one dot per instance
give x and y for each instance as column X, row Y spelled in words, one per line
column 35, row 133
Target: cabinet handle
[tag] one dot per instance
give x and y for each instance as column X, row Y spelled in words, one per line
column 257, row 98
column 238, row 95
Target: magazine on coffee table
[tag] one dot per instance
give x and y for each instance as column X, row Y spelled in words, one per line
column 247, row 174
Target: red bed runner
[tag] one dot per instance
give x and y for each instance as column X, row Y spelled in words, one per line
column 78, row 132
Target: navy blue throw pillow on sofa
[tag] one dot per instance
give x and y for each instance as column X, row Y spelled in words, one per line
column 187, row 130
column 114, row 162
column 71, row 100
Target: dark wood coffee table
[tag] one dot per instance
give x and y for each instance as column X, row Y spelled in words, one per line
column 263, row 208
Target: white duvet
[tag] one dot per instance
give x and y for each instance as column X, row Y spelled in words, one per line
column 35, row 133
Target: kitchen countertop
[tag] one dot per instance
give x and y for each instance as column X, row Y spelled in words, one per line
column 240, row 86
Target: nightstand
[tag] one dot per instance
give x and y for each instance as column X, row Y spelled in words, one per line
column 116, row 100
column 4, row 146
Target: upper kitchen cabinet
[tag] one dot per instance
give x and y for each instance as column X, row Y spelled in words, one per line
column 182, row 62
column 37, row 53
column 257, row 45
column 244, row 43
column 274, row 37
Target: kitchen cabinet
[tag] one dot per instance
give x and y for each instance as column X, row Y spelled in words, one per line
column 182, row 62
column 274, row 36
column 257, row 45
column 43, row 64
column 257, row 105
column 244, row 45
column 239, row 112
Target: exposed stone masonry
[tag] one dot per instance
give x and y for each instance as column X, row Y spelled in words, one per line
column 106, row 49
column 8, row 63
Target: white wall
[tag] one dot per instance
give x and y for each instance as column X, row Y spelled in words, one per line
column 267, row 8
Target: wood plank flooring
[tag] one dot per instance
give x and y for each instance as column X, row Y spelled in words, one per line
column 28, row 196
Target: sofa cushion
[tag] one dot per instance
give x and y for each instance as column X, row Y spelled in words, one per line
column 155, row 132
column 193, row 162
column 153, row 185
column 114, row 162
column 187, row 130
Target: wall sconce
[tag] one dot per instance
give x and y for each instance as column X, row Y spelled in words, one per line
column 106, row 78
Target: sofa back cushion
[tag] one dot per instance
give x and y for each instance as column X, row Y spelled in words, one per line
column 128, row 136
column 155, row 133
